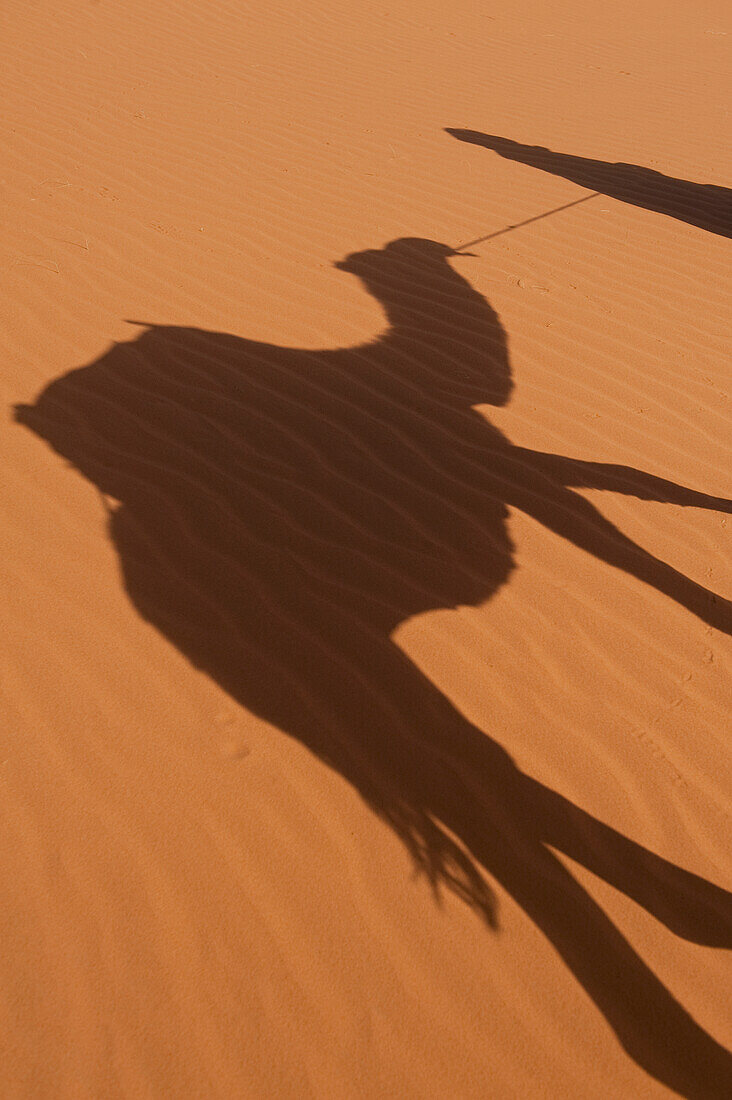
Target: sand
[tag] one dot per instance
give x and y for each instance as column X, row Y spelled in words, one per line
column 365, row 655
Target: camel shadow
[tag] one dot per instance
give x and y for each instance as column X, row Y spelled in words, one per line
column 705, row 205
column 280, row 512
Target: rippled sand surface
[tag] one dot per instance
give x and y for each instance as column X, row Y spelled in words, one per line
column 365, row 550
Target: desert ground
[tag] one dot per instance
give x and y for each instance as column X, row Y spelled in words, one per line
column 366, row 564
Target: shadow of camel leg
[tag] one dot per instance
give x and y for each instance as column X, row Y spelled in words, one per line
column 650, row 1024
column 578, row 474
column 505, row 820
column 575, row 519
column 687, row 904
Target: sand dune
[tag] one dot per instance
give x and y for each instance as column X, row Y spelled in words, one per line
column 369, row 599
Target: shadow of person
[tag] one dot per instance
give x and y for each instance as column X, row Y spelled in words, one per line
column 279, row 512
column 704, row 205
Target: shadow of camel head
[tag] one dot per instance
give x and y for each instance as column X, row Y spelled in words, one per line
column 398, row 257
column 445, row 337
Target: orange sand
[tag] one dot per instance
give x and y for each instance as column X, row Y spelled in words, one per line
column 365, row 661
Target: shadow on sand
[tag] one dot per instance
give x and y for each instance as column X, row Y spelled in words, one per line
column 280, row 512
column 704, row 205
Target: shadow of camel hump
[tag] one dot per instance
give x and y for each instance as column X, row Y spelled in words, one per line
column 705, row 205
column 282, row 511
